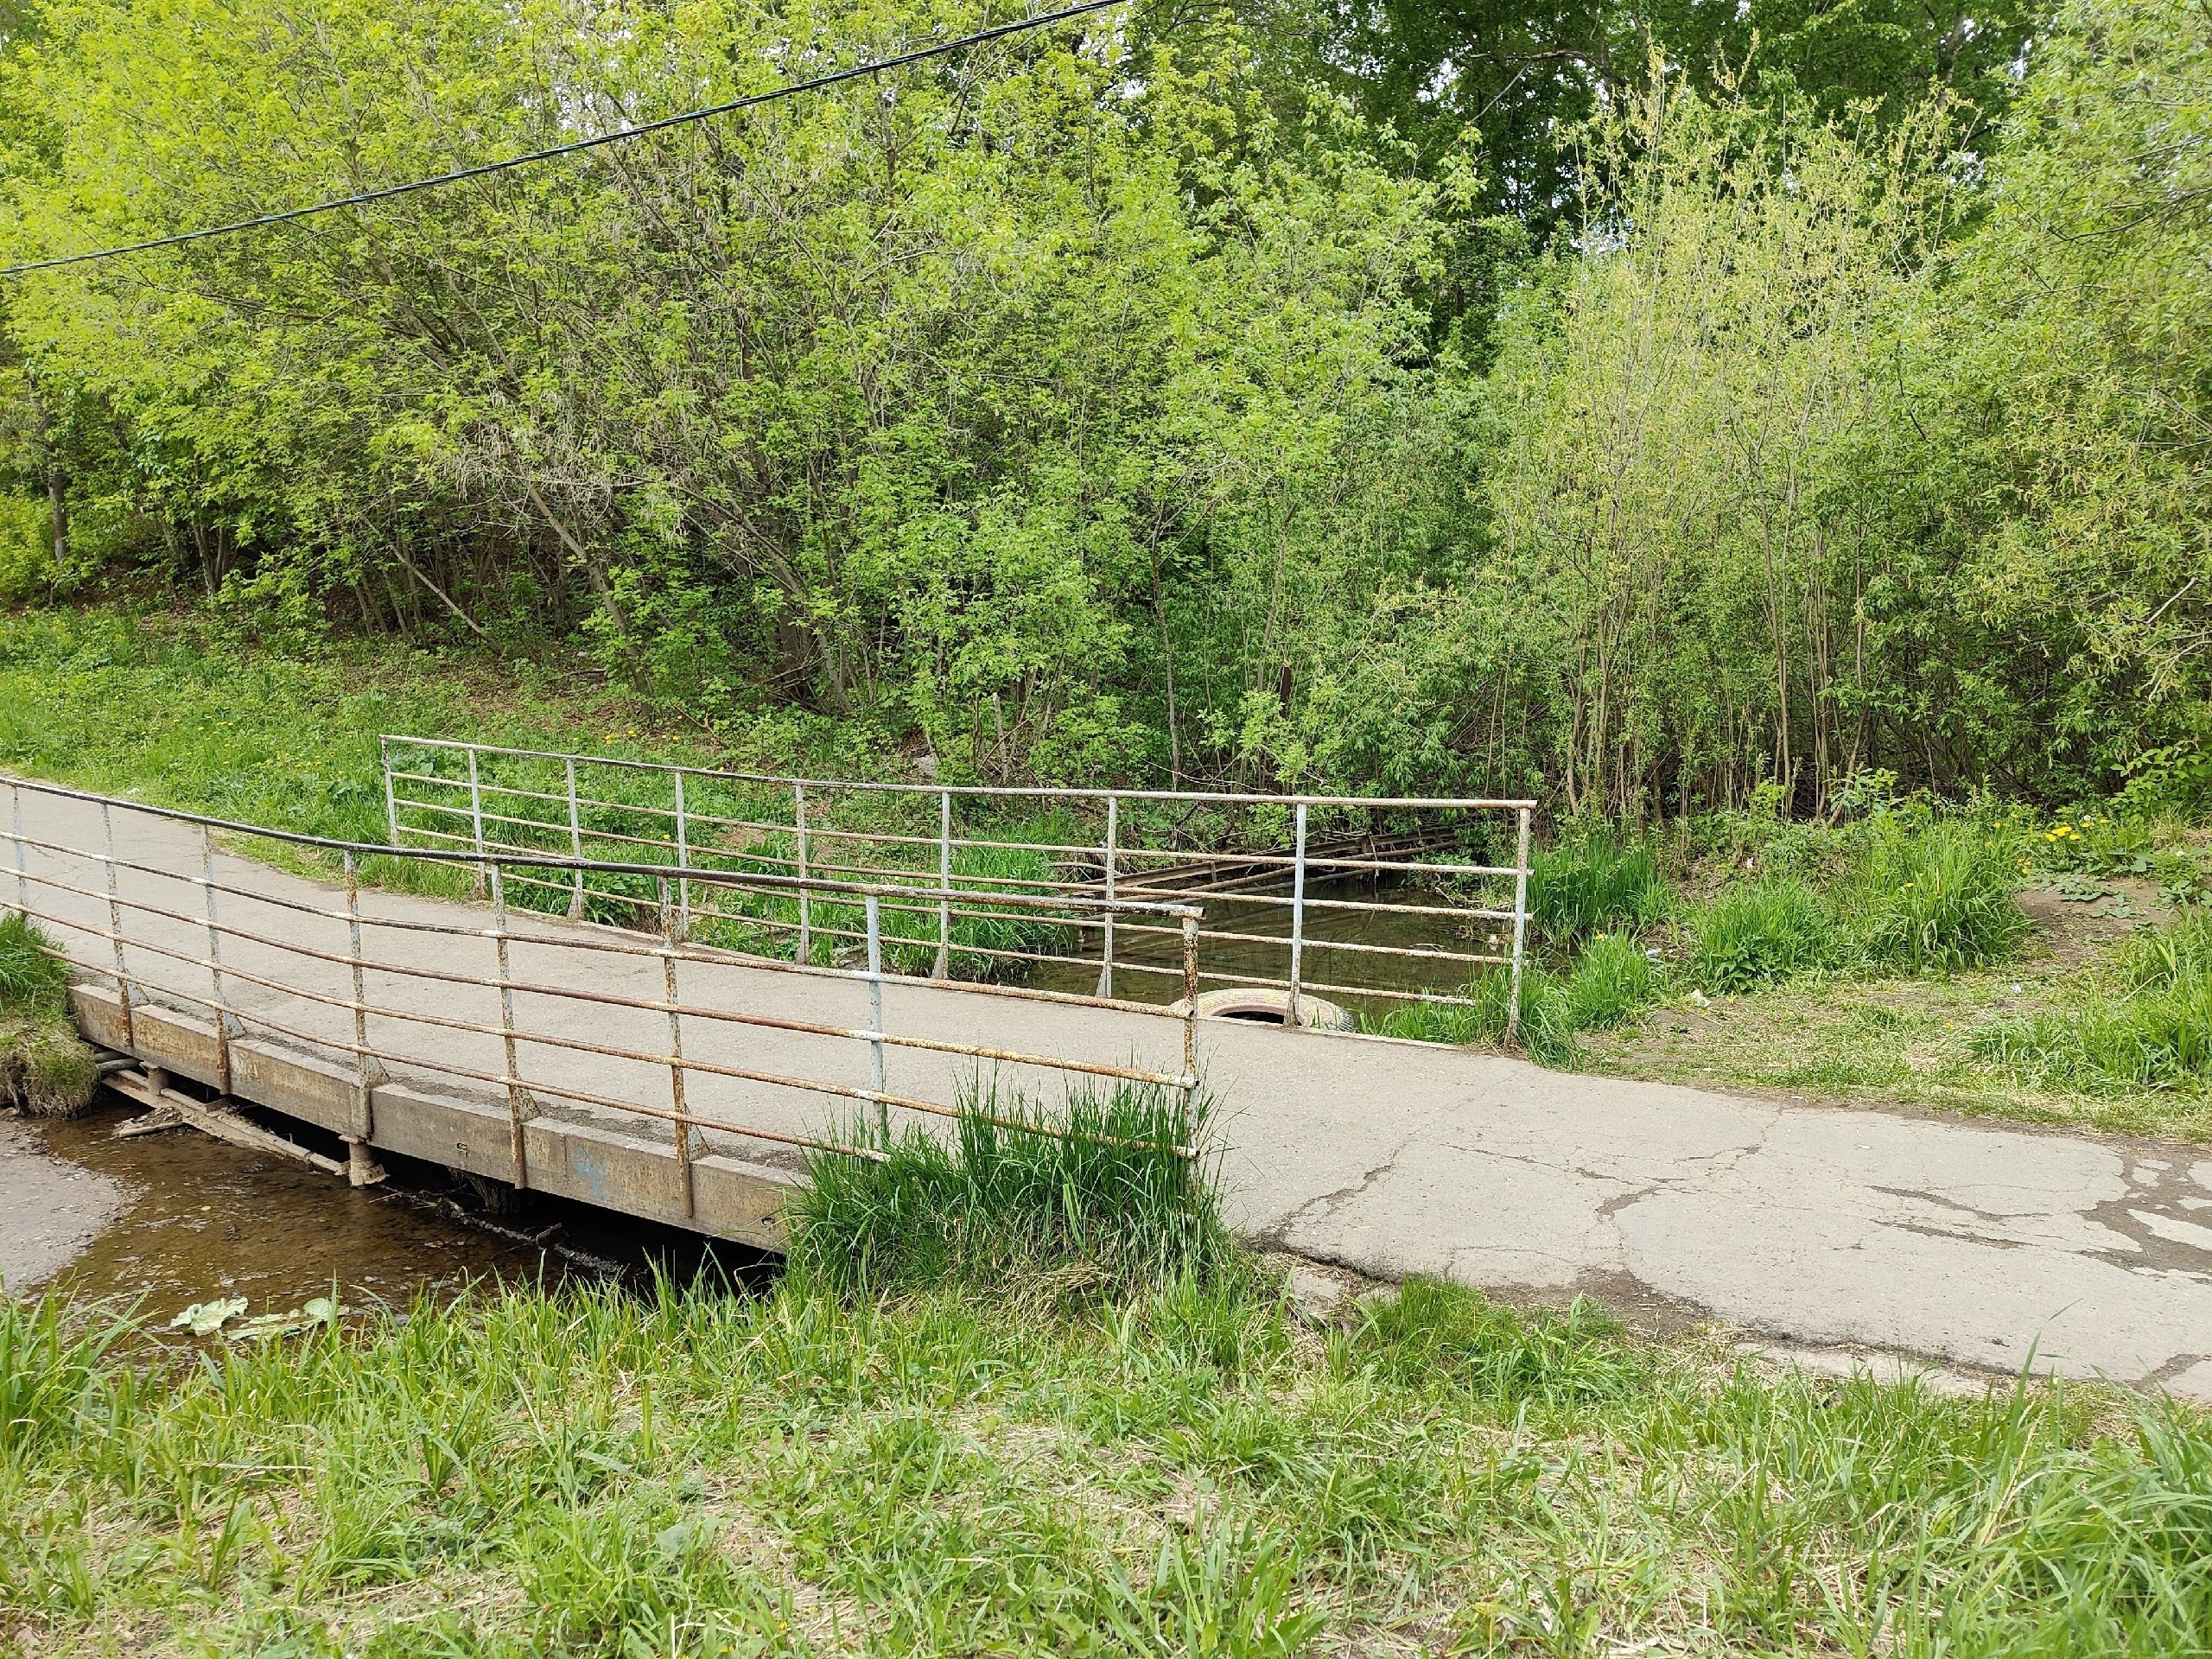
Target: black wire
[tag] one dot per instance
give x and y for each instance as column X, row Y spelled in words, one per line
column 795, row 87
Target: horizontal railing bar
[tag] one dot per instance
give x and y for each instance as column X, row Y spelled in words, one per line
column 1030, row 790
column 549, row 861
column 607, row 999
column 231, row 971
column 656, row 948
column 316, row 1040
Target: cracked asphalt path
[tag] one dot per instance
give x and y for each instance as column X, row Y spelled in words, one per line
column 1968, row 1243
column 1971, row 1244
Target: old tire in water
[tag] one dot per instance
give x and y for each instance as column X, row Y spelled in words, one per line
column 1269, row 1005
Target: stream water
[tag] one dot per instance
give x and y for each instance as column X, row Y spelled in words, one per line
column 187, row 1218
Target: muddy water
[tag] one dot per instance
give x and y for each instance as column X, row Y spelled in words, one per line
column 190, row 1218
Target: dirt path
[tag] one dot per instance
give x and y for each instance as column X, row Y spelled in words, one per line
column 1811, row 1224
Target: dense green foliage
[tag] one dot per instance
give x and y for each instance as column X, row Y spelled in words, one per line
column 526, row 1472
column 1312, row 395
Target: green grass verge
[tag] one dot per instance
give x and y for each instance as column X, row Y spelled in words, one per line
column 2152, row 1030
column 1184, row 1471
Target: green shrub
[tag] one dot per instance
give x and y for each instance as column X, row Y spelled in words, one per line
column 1760, row 934
column 1591, row 882
column 1937, row 898
column 1612, row 981
column 1433, row 1333
column 1547, row 1032
column 1094, row 1199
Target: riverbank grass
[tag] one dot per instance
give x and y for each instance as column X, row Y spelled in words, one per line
column 46, row 1068
column 1188, row 1469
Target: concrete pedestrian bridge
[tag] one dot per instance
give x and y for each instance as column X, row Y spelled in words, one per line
column 660, row 1076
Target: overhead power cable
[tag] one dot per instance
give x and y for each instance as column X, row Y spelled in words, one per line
column 876, row 67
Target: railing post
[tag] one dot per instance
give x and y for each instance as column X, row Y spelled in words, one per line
column 390, row 793
column 115, row 929
column 1297, row 916
column 805, row 913
column 1113, row 857
column 1189, row 1020
column 15, row 829
column 516, row 1147
column 476, row 814
column 675, row 1050
column 682, row 862
column 944, row 885
column 575, row 842
column 361, row 1169
column 1520, row 932
column 875, row 1012
column 215, row 959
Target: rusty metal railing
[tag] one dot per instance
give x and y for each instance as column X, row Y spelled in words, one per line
column 1383, row 892
column 171, row 913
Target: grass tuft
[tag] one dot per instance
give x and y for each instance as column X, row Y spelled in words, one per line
column 1613, row 981
column 1436, row 1334
column 1591, row 882
column 45, row 1067
column 1094, row 1199
column 1547, row 1033
column 1761, row 934
column 32, row 979
column 1936, row 899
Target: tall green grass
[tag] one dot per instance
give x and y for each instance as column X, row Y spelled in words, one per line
column 32, row 979
column 1546, row 1027
column 46, row 1068
column 1934, row 900
column 1760, row 934
column 1109, row 1194
column 1610, row 984
column 2151, row 1031
column 1594, row 881
column 1612, row 981
column 1434, row 1334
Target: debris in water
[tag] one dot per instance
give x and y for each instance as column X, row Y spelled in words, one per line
column 204, row 1318
column 263, row 1328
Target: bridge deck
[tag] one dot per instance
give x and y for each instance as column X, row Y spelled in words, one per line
column 1814, row 1224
